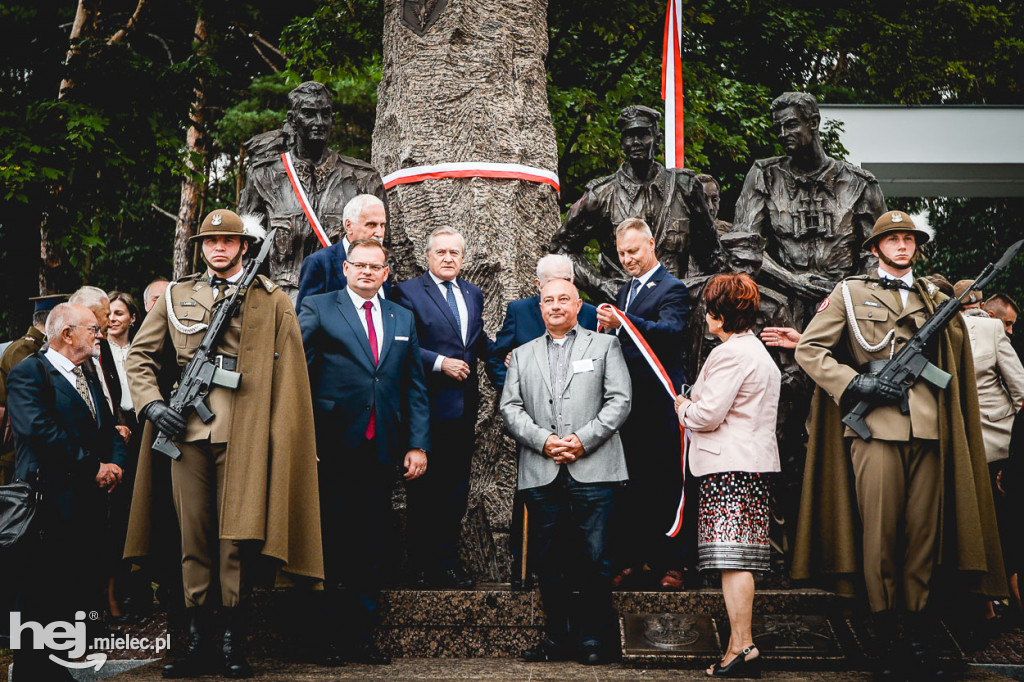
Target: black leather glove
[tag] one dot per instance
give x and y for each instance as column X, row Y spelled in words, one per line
column 873, row 389
column 165, row 419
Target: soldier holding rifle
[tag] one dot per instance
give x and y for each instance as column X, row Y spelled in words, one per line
column 913, row 437
column 244, row 477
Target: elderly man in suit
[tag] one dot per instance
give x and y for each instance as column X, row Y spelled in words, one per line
column 658, row 305
column 322, row 272
column 566, row 395
column 64, row 435
column 372, row 417
column 450, row 327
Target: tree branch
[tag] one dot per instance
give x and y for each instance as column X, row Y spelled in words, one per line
column 131, row 24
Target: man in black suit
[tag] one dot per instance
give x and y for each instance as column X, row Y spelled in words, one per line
column 449, row 322
column 322, row 271
column 372, row 417
column 64, row 436
column 658, row 306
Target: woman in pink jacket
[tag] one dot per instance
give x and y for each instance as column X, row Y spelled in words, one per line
column 731, row 415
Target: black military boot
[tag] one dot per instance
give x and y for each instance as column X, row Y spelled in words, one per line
column 890, row 663
column 235, row 665
column 195, row 660
column 922, row 658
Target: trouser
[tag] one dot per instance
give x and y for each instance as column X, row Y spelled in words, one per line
column 197, row 482
column 570, row 519
column 437, row 500
column 898, row 499
column 356, row 522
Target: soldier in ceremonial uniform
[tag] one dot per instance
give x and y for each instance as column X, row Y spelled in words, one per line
column 921, row 481
column 671, row 202
column 246, row 485
column 329, row 180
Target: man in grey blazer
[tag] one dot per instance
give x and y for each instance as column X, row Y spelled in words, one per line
column 566, row 395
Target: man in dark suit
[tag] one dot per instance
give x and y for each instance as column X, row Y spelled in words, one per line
column 449, row 323
column 371, row 410
column 322, row 271
column 658, row 305
column 64, row 435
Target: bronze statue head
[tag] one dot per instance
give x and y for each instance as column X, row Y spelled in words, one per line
column 796, row 120
column 640, row 133
column 310, row 114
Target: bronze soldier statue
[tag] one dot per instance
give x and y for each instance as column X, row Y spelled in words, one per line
column 328, row 179
column 671, row 202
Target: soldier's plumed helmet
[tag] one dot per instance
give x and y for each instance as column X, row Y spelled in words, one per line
column 222, row 223
column 638, row 117
column 805, row 103
column 895, row 221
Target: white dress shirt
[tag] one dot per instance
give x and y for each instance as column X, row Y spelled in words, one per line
column 460, row 303
column 907, row 279
column 120, row 354
column 67, row 370
column 375, row 313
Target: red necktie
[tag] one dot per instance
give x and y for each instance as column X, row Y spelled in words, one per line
column 371, row 428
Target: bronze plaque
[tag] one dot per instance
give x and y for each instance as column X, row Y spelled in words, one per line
column 420, row 15
column 662, row 636
column 795, row 636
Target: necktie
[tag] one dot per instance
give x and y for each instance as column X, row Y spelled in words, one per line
column 454, row 306
column 221, row 285
column 371, row 427
column 632, row 293
column 83, row 390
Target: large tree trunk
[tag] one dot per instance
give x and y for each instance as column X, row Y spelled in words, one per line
column 472, row 88
column 196, row 151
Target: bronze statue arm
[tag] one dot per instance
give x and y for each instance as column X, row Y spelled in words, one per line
column 571, row 239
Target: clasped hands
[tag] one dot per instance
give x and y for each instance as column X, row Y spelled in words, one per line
column 564, row 450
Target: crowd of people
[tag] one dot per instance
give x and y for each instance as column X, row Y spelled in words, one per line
column 312, row 414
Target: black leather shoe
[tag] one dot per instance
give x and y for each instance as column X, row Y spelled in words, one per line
column 454, row 577
column 196, row 659
column 370, row 655
column 591, row 654
column 545, row 651
column 233, row 647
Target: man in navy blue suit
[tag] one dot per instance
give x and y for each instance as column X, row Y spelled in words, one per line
column 323, row 271
column 64, row 435
column 658, row 306
column 449, row 322
column 371, row 409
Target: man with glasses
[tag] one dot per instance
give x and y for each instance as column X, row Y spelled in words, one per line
column 372, row 423
column 64, row 436
column 241, row 494
column 449, row 322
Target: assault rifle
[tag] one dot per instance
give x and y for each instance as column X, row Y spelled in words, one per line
column 904, row 368
column 201, row 373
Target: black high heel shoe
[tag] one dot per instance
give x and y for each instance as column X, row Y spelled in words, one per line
column 740, row 666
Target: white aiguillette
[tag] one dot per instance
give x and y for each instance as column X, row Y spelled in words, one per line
column 584, row 365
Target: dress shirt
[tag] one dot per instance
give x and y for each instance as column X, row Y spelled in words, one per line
column 559, row 355
column 120, row 354
column 907, row 279
column 463, row 311
column 378, row 319
column 67, row 369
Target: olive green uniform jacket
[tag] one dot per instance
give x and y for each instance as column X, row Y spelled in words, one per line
column 828, row 527
column 271, row 491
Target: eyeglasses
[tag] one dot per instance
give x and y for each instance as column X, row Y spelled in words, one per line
column 95, row 329
column 374, row 267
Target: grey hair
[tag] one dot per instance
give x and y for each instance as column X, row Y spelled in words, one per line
column 90, row 297
column 633, row 224
column 554, row 262
column 61, row 317
column 145, row 292
column 445, row 230
column 356, row 205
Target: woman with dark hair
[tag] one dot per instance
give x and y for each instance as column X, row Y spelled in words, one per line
column 730, row 416
column 124, row 313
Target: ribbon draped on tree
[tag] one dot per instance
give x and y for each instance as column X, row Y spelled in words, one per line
column 672, row 85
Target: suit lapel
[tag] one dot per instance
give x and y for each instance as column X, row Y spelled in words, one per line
column 388, row 316
column 579, row 348
column 61, row 384
column 540, row 354
column 435, row 295
column 645, row 290
column 351, row 318
column 471, row 312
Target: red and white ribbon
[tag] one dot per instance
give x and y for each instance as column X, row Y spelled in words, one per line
column 666, row 382
column 672, row 85
column 470, row 169
column 300, row 194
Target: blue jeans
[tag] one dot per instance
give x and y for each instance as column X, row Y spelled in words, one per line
column 569, row 537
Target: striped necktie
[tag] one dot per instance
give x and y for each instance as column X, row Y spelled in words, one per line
column 83, row 390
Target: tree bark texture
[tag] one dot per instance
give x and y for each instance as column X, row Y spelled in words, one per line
column 195, row 163
column 471, row 88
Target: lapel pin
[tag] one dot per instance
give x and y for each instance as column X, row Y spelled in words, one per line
column 650, row 284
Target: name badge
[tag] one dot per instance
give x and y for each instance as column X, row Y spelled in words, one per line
column 401, row 338
column 873, row 304
column 581, row 366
